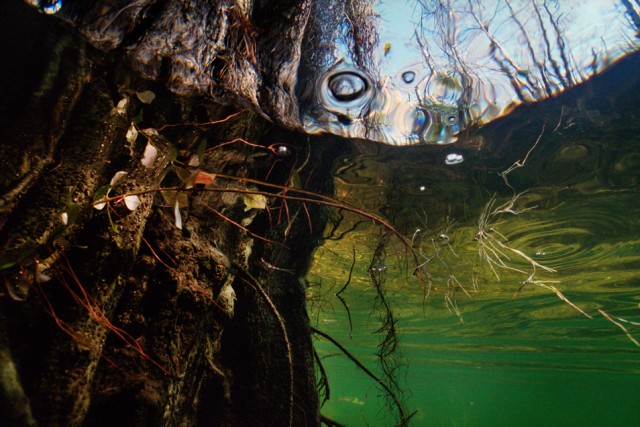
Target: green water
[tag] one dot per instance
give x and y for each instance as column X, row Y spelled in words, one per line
column 529, row 360
column 515, row 355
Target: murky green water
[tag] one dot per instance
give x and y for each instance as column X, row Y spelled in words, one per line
column 516, row 354
column 525, row 360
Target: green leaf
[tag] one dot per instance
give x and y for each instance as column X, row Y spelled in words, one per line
column 294, row 180
column 254, row 201
column 5, row 263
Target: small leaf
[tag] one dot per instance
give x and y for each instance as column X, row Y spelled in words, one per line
column 100, row 206
column 132, row 133
column 5, row 263
column 132, row 202
column 146, row 96
column 149, row 156
column 149, row 132
column 193, row 161
column 294, row 180
column 117, row 178
column 121, row 108
column 176, row 212
column 254, row 201
column 204, row 178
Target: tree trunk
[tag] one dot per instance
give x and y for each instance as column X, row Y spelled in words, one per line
column 127, row 317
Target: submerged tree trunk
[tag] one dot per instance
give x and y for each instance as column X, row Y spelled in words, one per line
column 170, row 308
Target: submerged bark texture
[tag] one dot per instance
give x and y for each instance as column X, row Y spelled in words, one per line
column 119, row 316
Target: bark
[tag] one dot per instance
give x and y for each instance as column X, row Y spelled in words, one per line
column 136, row 325
column 234, row 51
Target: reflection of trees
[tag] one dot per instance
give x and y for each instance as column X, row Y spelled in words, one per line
column 522, row 46
column 545, row 68
column 634, row 17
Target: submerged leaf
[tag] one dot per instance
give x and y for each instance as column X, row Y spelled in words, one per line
column 204, row 178
column 132, row 133
column 121, row 108
column 146, row 96
column 149, row 132
column 176, row 212
column 254, row 201
column 149, row 156
column 132, row 202
column 5, row 263
column 193, row 161
column 117, row 178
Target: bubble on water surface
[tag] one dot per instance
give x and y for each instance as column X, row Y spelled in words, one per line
column 453, row 159
column 408, row 77
column 347, row 86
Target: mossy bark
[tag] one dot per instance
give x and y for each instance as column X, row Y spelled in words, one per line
column 119, row 317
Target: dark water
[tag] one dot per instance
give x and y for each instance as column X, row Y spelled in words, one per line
column 514, row 354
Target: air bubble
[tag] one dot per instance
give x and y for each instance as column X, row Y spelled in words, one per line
column 453, row 159
column 282, row 150
column 408, row 77
column 347, row 86
column 451, row 119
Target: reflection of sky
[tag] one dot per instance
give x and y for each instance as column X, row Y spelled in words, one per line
column 398, row 22
column 475, row 58
column 600, row 25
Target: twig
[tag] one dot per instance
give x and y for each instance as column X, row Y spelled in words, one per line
column 344, row 303
column 619, row 325
column 359, row 364
column 520, row 163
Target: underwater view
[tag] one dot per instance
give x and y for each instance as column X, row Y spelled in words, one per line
column 318, row 212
